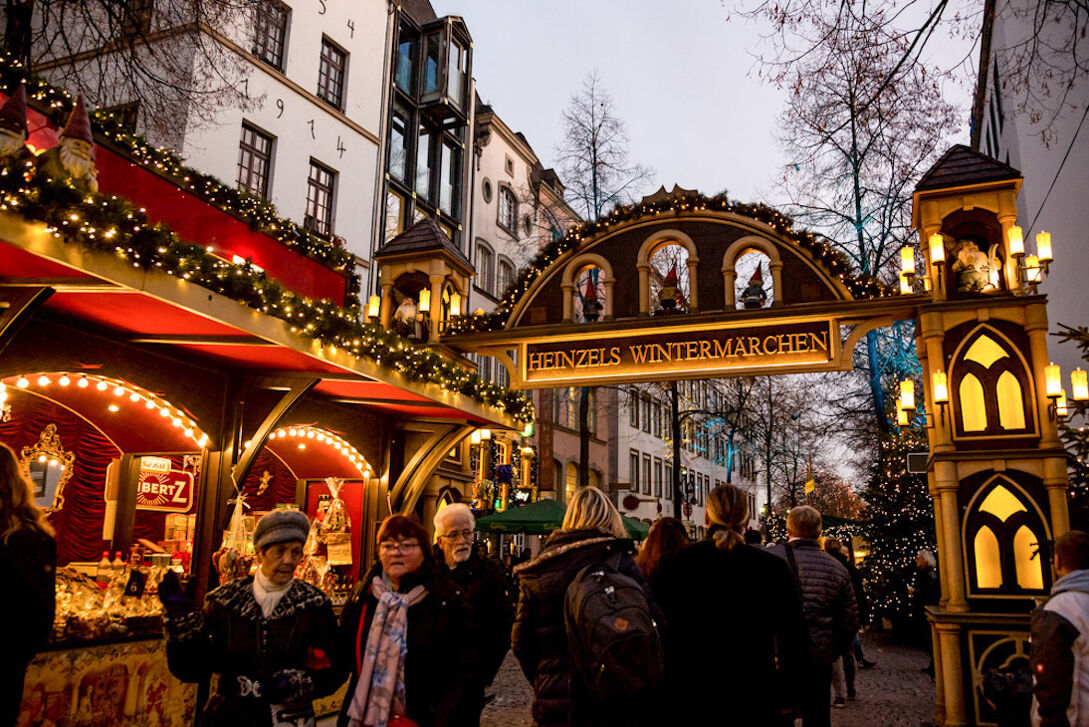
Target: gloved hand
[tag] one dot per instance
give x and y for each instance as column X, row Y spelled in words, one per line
column 286, row 686
column 176, row 601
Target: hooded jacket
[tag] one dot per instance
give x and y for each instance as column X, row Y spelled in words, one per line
column 539, row 638
column 1060, row 655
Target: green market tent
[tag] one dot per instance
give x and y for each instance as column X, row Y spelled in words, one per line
column 541, row 518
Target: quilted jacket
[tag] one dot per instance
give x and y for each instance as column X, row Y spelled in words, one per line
column 828, row 599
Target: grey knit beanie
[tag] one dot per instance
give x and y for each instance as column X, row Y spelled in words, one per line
column 280, row 526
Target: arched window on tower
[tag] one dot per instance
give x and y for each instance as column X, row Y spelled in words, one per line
column 992, row 387
column 1006, row 541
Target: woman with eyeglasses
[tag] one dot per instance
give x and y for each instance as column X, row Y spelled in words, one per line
column 406, row 638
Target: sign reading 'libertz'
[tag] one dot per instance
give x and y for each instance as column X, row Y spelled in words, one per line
column 651, row 352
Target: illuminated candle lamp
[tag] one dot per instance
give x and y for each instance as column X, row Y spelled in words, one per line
column 907, row 260
column 64, row 380
column 907, row 394
column 455, row 304
column 1053, row 378
column 905, row 284
column 43, row 380
column 22, row 383
column 1043, row 246
column 1079, row 384
column 374, row 306
column 1060, row 404
column 1033, row 272
column 941, row 389
column 901, row 414
column 425, row 301
column 1016, row 241
column 937, row 249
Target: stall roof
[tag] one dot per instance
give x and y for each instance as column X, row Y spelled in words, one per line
column 151, row 308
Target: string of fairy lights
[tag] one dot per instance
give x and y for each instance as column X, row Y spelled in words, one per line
column 110, row 224
column 304, row 436
column 117, row 395
column 689, row 205
column 258, row 213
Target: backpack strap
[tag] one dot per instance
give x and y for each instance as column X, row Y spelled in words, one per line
column 793, row 563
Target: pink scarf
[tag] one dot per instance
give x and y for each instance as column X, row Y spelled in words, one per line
column 380, row 691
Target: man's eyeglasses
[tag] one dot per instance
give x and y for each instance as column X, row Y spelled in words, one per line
column 406, row 547
column 459, row 535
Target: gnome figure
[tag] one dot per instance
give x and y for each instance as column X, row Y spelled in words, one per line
column 974, row 268
column 13, row 131
column 667, row 296
column 755, row 296
column 591, row 306
column 72, row 157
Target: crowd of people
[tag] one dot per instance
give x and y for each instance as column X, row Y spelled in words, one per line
column 749, row 634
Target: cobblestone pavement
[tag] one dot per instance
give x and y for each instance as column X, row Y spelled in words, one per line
column 895, row 693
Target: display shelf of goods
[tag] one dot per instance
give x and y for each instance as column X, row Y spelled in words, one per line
column 327, row 553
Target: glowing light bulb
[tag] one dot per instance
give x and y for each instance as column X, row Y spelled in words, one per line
column 43, row 380
column 113, row 407
column 101, row 386
column 64, row 380
column 83, row 383
column 22, row 383
column 119, row 391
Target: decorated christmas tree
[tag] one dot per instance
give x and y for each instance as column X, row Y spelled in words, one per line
column 900, row 524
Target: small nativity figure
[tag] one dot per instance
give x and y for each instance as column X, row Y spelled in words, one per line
column 755, row 296
column 13, row 131
column 974, row 268
column 73, row 156
column 591, row 306
column 405, row 320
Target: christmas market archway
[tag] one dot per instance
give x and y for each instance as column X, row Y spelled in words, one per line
column 988, row 391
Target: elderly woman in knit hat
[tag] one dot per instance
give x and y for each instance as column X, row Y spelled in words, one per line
column 269, row 637
column 405, row 635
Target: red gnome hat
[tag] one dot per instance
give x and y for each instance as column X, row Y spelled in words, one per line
column 79, row 124
column 671, row 276
column 591, row 293
column 13, row 112
column 757, row 277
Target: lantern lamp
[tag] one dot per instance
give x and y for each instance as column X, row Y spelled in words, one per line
column 374, row 306
column 907, row 260
column 1053, row 381
column 1060, row 404
column 901, row 414
column 1033, row 272
column 425, row 301
column 1079, row 385
column 1016, row 241
column 455, row 304
column 905, row 284
column 907, row 395
column 1043, row 246
column 941, row 388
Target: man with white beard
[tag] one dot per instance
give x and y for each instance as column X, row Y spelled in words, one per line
column 72, row 157
column 484, row 583
column 13, row 132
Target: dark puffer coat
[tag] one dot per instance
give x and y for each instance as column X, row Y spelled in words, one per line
column 539, row 639
column 828, row 599
column 441, row 661
column 737, row 642
column 484, row 583
column 289, row 653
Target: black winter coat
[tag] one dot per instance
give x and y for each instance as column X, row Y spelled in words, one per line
column 441, row 662
column 232, row 638
column 491, row 610
column 856, row 584
column 28, row 561
column 828, row 599
column 539, row 639
column 737, row 638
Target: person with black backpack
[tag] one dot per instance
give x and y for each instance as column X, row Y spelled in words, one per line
column 587, row 631
column 737, row 640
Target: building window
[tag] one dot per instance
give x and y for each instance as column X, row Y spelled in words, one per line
column 423, row 163
column 405, row 74
column 508, row 210
column 320, row 191
column 432, row 53
column 456, row 70
column 270, row 35
column 509, row 166
column 485, row 265
column 449, row 177
column 254, row 161
column 506, row 277
column 646, row 414
column 657, row 477
column 668, row 481
column 633, row 409
column 487, row 190
column 395, row 215
column 398, row 147
column 331, row 73
column 657, row 419
column 633, row 471
column 646, row 474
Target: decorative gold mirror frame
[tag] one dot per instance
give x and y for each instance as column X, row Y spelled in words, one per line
column 49, row 446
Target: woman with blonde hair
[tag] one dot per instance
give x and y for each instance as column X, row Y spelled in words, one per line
column 592, row 534
column 737, row 637
column 28, row 560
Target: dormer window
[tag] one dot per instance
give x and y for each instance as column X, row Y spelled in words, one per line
column 445, row 66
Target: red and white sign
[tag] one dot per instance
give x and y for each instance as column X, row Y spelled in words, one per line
column 170, row 491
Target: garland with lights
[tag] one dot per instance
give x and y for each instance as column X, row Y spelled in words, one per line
column 1076, row 438
column 258, row 213
column 860, row 286
column 114, row 225
column 901, row 523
